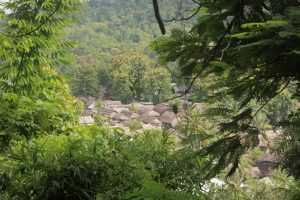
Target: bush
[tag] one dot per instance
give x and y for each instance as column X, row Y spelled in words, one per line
column 90, row 163
column 101, row 120
column 152, row 190
column 84, row 165
column 133, row 108
column 23, row 116
column 134, row 125
column 276, row 187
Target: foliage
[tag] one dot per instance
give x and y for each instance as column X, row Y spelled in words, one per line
column 34, row 99
column 23, row 116
column 30, row 40
column 250, row 46
column 121, row 88
column 202, row 88
column 195, row 130
column 133, row 108
column 290, row 162
column 276, row 187
column 242, row 185
column 135, row 78
column 288, row 145
column 134, row 125
column 156, row 85
column 83, row 165
column 158, row 140
column 152, row 190
column 85, row 81
column 127, row 75
column 178, row 169
column 55, row 159
column 280, row 107
column 99, row 104
column 101, row 120
column 175, row 104
column 46, row 156
column 91, row 163
column 107, row 28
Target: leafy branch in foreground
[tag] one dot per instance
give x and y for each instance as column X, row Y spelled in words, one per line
column 31, row 41
column 251, row 47
column 34, row 98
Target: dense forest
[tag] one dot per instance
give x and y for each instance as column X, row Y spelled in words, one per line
column 208, row 90
column 110, row 35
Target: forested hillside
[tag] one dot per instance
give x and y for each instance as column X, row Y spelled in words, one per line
column 107, row 29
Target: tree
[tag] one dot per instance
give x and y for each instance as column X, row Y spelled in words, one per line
column 85, row 81
column 122, row 87
column 51, row 109
column 34, row 99
column 127, row 76
column 29, row 37
column 252, row 47
column 135, row 77
column 156, row 84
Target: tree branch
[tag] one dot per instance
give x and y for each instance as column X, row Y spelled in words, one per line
column 158, row 17
column 39, row 26
column 261, row 107
column 205, row 64
column 185, row 18
column 20, row 65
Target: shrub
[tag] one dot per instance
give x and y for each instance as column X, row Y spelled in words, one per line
column 101, row 120
column 134, row 125
column 88, row 164
column 133, row 108
column 23, row 116
column 152, row 190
